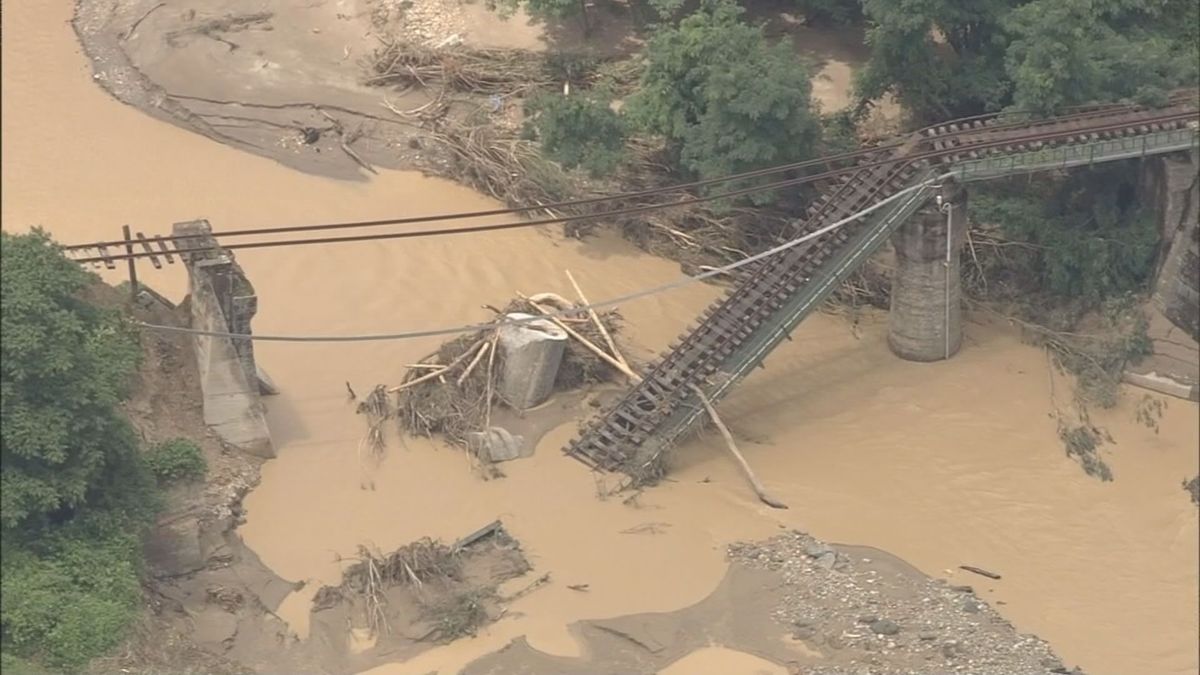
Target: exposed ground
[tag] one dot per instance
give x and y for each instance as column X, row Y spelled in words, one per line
column 812, row 608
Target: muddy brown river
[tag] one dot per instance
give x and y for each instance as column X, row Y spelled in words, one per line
column 941, row 464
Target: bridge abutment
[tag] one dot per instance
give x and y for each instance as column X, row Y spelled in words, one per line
column 925, row 321
column 222, row 300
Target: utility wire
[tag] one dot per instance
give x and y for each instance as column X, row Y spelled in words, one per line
column 967, row 124
column 407, row 335
column 408, row 234
column 512, row 210
column 1000, row 142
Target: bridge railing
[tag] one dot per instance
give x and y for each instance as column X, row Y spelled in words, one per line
column 1077, row 154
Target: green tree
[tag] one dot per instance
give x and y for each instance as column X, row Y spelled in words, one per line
column 65, row 365
column 1066, row 52
column 68, row 597
column 726, row 99
column 1088, row 238
column 76, row 493
column 579, row 130
column 939, row 58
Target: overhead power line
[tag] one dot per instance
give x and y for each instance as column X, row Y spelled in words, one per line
column 553, row 206
column 408, row 335
column 967, row 125
column 955, row 150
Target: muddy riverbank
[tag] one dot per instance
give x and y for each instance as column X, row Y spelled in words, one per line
column 941, row 464
column 287, row 81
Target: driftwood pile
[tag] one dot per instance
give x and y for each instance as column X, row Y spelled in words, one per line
column 452, row 603
column 491, row 153
column 452, row 392
column 458, row 68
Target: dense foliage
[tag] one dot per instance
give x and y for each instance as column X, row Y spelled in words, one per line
column 579, row 130
column 65, row 366
column 1066, row 52
column 1085, row 237
column 76, row 493
column 953, row 58
column 726, row 99
column 549, row 10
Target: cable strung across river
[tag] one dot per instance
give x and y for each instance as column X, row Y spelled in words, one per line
column 408, row 335
column 969, row 125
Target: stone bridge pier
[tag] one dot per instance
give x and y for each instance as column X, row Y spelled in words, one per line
column 222, row 300
column 925, row 321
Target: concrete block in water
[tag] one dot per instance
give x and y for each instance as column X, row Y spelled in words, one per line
column 498, row 445
column 532, row 353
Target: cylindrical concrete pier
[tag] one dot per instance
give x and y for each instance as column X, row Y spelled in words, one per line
column 925, row 322
column 532, row 353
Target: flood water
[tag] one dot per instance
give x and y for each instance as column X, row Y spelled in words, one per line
column 941, row 464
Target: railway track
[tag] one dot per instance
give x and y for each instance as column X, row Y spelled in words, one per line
column 632, row 434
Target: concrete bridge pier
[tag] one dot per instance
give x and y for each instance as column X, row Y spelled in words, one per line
column 925, row 322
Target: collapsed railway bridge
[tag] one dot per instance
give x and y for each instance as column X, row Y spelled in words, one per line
column 910, row 190
column 920, row 180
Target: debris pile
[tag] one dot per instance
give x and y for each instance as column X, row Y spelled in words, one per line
column 452, row 392
column 446, row 591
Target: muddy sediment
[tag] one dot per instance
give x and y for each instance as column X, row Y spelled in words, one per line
column 803, row 606
column 279, row 79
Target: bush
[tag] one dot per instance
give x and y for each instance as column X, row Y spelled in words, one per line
column 1087, row 239
column 580, row 130
column 69, row 597
column 831, row 12
column 176, row 460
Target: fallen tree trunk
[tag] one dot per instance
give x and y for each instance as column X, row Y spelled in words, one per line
column 737, row 455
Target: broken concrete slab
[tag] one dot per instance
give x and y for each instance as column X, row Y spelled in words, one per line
column 498, row 445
